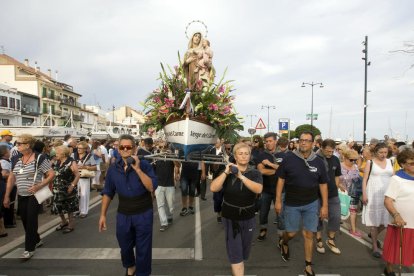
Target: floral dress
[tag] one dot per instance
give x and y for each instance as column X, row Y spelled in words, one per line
column 62, row 201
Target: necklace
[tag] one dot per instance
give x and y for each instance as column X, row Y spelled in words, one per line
column 25, row 163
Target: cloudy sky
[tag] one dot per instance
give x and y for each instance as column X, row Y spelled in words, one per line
column 110, row 51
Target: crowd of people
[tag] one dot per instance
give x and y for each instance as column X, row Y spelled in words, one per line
column 302, row 178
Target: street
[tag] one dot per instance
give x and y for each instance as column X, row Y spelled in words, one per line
column 192, row 245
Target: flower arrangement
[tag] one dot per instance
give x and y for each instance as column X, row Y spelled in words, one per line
column 210, row 102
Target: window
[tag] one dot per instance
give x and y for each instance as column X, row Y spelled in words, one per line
column 5, row 122
column 52, row 94
column 12, row 103
column 17, row 104
column 44, row 93
column 45, row 109
column 3, row 101
column 53, row 109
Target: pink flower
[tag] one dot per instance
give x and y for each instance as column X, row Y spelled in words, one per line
column 222, row 89
column 156, row 91
column 157, row 99
column 213, row 107
column 226, row 109
column 165, row 88
column 169, row 102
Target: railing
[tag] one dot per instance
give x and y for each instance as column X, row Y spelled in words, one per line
column 69, row 101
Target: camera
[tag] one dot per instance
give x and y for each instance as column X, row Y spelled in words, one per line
column 130, row 161
column 234, row 170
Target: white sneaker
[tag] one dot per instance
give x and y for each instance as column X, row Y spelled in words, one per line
column 319, row 247
column 27, row 255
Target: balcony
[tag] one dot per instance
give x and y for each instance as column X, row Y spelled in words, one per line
column 79, row 118
column 69, row 101
column 51, row 97
column 54, row 112
column 30, row 110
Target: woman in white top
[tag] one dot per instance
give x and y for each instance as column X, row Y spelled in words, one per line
column 375, row 183
column 400, row 204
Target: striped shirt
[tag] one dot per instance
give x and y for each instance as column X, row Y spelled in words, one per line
column 25, row 175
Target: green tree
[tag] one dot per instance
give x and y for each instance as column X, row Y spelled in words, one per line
column 292, row 134
column 306, row 127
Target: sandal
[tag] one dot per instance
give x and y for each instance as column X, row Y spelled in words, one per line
column 319, row 246
column 61, row 226
column 312, row 273
column 126, row 273
column 332, row 246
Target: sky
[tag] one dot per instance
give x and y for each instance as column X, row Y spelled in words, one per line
column 110, row 52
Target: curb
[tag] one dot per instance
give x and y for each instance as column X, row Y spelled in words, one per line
column 41, row 230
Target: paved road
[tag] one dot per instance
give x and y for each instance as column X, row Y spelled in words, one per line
column 193, row 245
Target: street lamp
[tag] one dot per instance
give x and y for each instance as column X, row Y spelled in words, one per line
column 312, row 84
column 268, row 107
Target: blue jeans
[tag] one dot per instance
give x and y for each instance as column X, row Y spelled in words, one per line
column 307, row 214
column 334, row 215
column 265, row 202
column 188, row 185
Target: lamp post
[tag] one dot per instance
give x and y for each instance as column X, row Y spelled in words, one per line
column 366, row 63
column 312, row 84
column 113, row 113
column 268, row 107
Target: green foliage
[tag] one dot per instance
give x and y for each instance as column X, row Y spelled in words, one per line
column 292, row 134
column 306, row 127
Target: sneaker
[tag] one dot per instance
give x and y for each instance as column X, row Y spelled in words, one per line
column 219, row 220
column 319, row 246
column 39, row 244
column 285, row 253
column 163, row 228
column 184, row 212
column 170, row 221
column 356, row 234
column 191, row 210
column 203, row 198
column 376, row 254
column 27, row 255
column 262, row 235
column 333, row 247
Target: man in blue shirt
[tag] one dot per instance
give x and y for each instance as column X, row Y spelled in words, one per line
column 134, row 181
column 6, row 137
column 304, row 177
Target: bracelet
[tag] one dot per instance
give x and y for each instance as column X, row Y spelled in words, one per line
column 395, row 215
column 226, row 173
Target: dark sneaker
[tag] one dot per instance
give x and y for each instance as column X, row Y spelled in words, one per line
column 170, row 221
column 184, row 212
column 284, row 250
column 163, row 228
column 219, row 220
column 262, row 235
column 191, row 210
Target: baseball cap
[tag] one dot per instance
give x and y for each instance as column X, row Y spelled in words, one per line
column 6, row 132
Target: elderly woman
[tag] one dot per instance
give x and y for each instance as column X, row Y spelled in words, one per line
column 85, row 161
column 65, row 199
column 240, row 186
column 377, row 177
column 28, row 182
column 399, row 203
column 352, row 181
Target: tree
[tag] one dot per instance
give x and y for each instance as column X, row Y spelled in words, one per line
column 302, row 128
column 292, row 134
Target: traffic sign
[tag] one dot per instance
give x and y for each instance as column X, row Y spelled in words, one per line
column 260, row 124
column 283, row 125
column 251, row 131
column 315, row 116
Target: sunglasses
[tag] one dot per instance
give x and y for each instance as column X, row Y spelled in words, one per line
column 353, row 160
column 256, row 141
column 127, row 147
column 21, row 143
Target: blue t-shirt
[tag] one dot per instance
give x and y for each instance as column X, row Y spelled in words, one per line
column 269, row 181
column 301, row 182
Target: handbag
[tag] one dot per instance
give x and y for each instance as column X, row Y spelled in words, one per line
column 44, row 193
column 345, row 200
column 84, row 173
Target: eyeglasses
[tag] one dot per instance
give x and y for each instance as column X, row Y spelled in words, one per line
column 126, row 147
column 305, row 141
column 353, row 160
column 21, row 143
column 256, row 141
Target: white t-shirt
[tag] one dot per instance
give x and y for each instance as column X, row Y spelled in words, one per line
column 402, row 191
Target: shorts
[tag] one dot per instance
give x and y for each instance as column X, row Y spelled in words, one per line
column 307, row 214
column 238, row 248
column 188, row 185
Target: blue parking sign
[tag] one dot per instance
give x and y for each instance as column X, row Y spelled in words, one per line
column 284, row 125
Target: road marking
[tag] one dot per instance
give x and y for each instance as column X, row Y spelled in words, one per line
column 198, row 243
column 101, row 253
column 323, row 275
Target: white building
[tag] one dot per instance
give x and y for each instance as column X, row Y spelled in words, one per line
column 10, row 106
